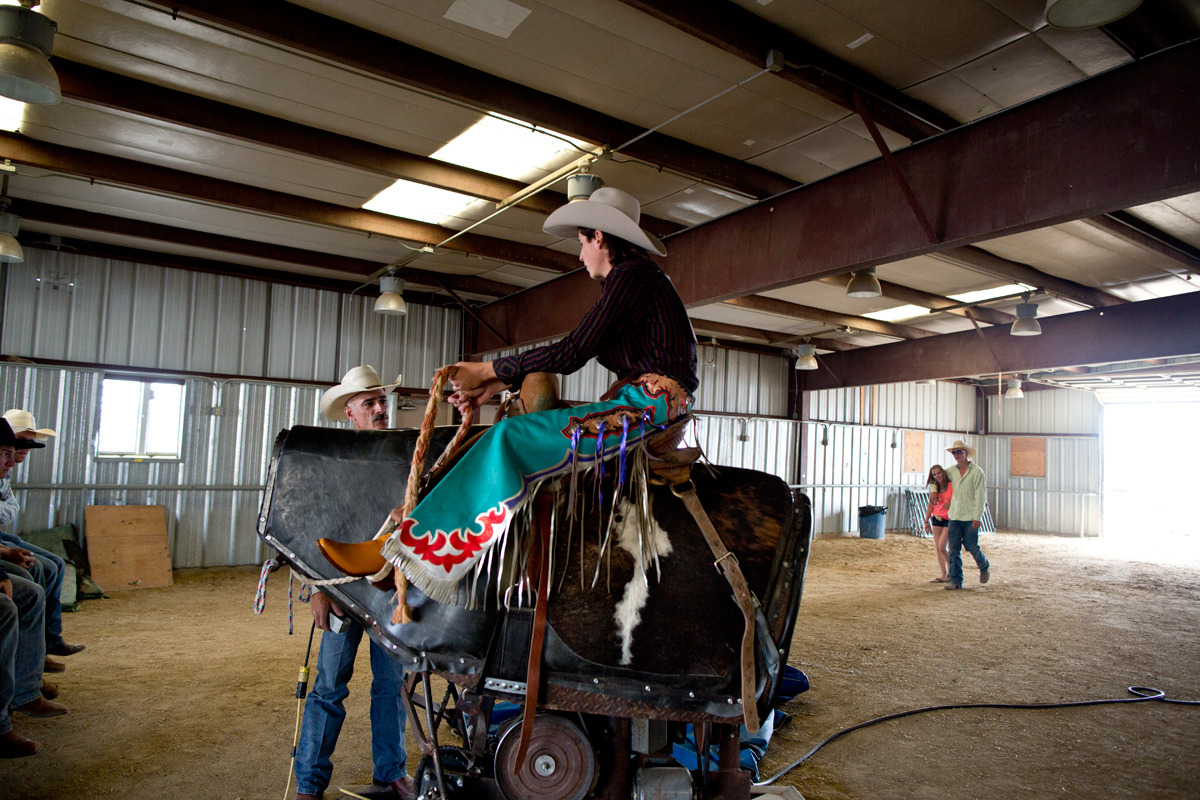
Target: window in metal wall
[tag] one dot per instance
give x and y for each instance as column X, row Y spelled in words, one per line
column 140, row 419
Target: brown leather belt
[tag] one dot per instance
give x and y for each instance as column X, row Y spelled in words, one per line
column 728, row 564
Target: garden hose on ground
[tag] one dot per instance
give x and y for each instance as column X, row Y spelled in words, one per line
column 1142, row 694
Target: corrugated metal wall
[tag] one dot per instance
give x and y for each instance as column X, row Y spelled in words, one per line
column 98, row 311
column 940, row 406
column 1059, row 411
column 1067, row 500
column 852, row 464
column 134, row 316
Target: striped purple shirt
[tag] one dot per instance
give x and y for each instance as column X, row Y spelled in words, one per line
column 638, row 325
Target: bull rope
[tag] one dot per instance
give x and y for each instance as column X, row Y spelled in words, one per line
column 403, row 613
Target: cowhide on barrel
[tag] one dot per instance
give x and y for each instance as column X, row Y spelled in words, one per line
column 681, row 618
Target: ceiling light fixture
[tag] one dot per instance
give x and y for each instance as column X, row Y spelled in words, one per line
column 864, row 285
column 391, row 296
column 581, row 186
column 806, row 356
column 1014, row 390
column 26, row 39
column 1026, row 323
column 1077, row 14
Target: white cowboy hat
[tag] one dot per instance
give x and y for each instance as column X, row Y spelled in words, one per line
column 359, row 379
column 610, row 210
column 959, row 444
column 21, row 421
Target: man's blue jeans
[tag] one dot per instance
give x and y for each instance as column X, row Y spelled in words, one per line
column 53, row 571
column 324, row 712
column 22, row 647
column 961, row 533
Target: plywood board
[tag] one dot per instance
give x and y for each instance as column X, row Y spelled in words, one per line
column 914, row 451
column 1028, row 457
column 127, row 546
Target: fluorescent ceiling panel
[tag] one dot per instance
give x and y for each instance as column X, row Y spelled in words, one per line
column 12, row 114
column 511, row 149
column 912, row 312
column 898, row 313
column 418, row 201
column 495, row 145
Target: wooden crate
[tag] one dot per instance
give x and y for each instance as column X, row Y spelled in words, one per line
column 127, row 546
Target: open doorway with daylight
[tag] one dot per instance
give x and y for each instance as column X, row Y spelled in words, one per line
column 1150, row 490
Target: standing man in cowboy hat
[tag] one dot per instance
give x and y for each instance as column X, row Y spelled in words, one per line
column 966, row 513
column 361, row 398
column 52, row 567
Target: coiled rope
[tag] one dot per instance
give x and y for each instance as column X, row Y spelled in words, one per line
column 403, row 613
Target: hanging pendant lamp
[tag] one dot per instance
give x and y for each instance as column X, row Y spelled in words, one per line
column 26, row 39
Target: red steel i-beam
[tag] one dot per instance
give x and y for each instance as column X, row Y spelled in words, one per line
column 1122, row 138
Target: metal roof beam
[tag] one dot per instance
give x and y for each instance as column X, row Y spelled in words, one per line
column 770, row 305
column 735, row 30
column 1136, row 231
column 981, row 260
column 110, row 90
column 1163, row 327
column 126, row 172
column 933, row 302
column 306, row 31
column 1119, row 139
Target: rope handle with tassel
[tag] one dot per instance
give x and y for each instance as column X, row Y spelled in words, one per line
column 403, row 613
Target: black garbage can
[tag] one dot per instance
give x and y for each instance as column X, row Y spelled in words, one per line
column 870, row 521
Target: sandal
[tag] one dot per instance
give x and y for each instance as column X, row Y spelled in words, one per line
column 940, row 580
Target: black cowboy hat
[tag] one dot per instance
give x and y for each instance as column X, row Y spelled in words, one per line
column 10, row 439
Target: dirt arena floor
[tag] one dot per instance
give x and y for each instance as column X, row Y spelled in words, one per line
column 184, row 693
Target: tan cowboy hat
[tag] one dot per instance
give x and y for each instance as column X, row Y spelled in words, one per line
column 359, row 379
column 610, row 210
column 21, row 421
column 959, row 444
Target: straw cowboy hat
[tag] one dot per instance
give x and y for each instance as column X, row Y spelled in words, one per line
column 21, row 421
column 959, row 444
column 610, row 210
column 359, row 379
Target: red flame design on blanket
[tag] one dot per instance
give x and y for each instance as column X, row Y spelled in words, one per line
column 463, row 546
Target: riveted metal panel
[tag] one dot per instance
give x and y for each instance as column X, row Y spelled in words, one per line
column 413, row 345
column 767, row 445
column 1049, row 411
column 1066, row 500
column 942, row 405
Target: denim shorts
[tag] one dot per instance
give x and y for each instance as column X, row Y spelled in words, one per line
column 940, row 522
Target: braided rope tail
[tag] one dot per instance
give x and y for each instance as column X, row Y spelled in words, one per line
column 403, row 613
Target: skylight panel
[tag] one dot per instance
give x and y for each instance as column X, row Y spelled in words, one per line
column 898, row 313
column 505, row 147
column 988, row 294
column 12, row 114
column 420, row 202
column 494, row 144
